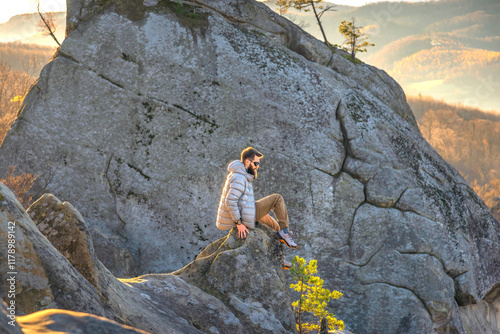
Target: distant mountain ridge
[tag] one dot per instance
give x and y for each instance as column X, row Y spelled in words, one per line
column 23, row 28
column 407, row 35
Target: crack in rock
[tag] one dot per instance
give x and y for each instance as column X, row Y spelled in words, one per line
column 370, row 258
column 141, row 95
column 401, row 195
column 323, row 171
column 447, row 272
column 344, row 136
column 352, row 224
column 402, row 287
column 113, row 190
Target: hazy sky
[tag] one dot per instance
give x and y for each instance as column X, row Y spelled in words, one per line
column 10, row 8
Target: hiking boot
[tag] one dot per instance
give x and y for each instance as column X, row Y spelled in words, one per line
column 286, row 239
column 286, row 264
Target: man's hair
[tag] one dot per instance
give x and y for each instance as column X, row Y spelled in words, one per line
column 250, row 153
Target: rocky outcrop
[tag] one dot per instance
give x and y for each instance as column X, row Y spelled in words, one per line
column 66, row 230
column 156, row 303
column 44, row 277
column 118, row 163
column 145, row 103
column 231, row 269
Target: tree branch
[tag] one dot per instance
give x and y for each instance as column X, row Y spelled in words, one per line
column 46, row 24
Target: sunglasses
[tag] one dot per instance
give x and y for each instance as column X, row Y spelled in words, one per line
column 256, row 163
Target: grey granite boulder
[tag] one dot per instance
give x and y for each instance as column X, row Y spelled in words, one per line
column 66, row 230
column 247, row 275
column 44, row 277
column 145, row 103
column 142, row 145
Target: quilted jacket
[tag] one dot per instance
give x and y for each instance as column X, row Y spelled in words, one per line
column 237, row 198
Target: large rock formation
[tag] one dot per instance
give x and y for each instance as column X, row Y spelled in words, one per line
column 156, row 303
column 138, row 114
column 158, row 100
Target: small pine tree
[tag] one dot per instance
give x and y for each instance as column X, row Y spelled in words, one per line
column 355, row 39
column 313, row 298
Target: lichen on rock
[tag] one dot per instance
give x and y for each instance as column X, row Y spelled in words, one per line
column 66, row 230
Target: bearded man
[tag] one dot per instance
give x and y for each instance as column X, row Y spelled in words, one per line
column 238, row 208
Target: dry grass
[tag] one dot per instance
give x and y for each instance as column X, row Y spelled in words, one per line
column 14, row 86
column 28, row 58
column 20, row 66
column 20, row 185
column 488, row 192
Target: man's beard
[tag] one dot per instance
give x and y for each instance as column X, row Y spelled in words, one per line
column 252, row 171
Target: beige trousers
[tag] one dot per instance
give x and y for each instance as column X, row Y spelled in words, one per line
column 272, row 202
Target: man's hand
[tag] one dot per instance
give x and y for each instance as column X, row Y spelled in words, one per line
column 242, row 231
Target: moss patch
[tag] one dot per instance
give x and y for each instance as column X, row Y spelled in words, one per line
column 144, row 128
column 356, row 61
column 188, row 15
column 149, row 111
column 131, row 9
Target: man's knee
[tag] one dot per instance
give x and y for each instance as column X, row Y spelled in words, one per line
column 278, row 197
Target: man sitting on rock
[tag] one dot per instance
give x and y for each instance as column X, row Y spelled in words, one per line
column 237, row 206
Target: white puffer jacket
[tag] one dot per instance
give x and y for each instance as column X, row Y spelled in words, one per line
column 237, row 198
